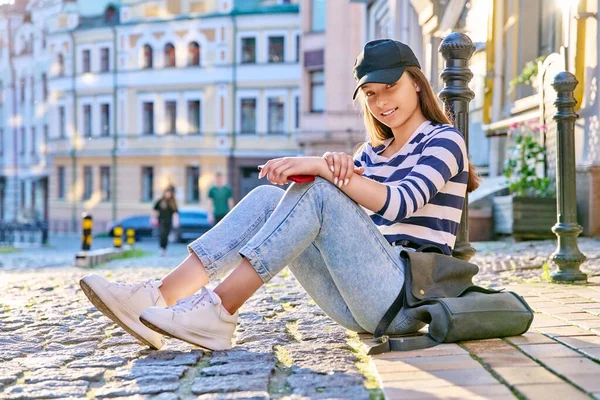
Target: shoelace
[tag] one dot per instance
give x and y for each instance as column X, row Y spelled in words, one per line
column 190, row 302
column 134, row 286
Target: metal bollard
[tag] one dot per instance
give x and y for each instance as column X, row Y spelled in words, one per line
column 130, row 236
column 86, row 238
column 457, row 49
column 118, row 236
column 567, row 256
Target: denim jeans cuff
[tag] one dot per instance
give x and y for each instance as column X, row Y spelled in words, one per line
column 207, row 261
column 254, row 260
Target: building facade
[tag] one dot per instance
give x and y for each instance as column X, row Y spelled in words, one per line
column 145, row 94
column 510, row 37
column 332, row 37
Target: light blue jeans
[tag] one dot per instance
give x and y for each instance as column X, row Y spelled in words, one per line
column 330, row 244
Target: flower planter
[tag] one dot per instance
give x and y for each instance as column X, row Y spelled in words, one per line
column 524, row 217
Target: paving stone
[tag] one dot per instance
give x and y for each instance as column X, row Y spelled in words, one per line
column 235, row 396
column 415, row 390
column 526, row 375
column 440, row 363
column 306, row 382
column 230, row 383
column 128, row 388
column 48, row 390
column 551, row 391
column 320, row 357
column 237, row 368
column 135, row 372
column 169, row 358
column 66, row 374
column 568, row 366
column 548, row 350
column 98, row 361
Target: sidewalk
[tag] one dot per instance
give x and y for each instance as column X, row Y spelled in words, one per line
column 559, row 358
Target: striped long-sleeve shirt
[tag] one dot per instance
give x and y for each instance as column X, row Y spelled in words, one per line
column 426, row 184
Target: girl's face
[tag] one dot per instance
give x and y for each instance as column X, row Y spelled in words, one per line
column 168, row 194
column 392, row 104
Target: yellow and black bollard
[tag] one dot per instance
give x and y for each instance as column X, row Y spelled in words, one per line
column 118, row 236
column 86, row 238
column 130, row 236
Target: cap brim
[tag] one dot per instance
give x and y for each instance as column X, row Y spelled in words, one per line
column 388, row 75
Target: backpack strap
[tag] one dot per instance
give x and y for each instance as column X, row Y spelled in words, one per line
column 390, row 314
column 408, row 343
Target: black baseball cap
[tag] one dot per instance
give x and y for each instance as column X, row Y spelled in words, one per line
column 382, row 61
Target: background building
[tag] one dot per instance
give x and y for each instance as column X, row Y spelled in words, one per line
column 333, row 35
column 511, row 36
column 136, row 95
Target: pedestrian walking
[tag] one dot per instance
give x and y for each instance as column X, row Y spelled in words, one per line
column 165, row 217
column 341, row 235
column 222, row 198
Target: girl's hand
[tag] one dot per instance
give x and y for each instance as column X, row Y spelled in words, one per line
column 342, row 166
column 277, row 170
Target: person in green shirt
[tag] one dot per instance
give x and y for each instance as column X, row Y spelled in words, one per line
column 222, row 198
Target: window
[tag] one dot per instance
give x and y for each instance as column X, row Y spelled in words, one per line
column 105, row 183
column 297, row 48
column 276, row 113
column 193, row 54
column 32, row 84
column 169, row 55
column 87, row 121
column 317, row 91
column 147, row 183
column 297, row 112
column 1, row 93
column 194, row 116
column 148, row 128
column 550, row 28
column 147, row 56
column 60, row 67
column 104, row 60
column 104, row 119
column 22, row 191
column 110, row 15
column 60, row 182
column 62, row 131
column 317, row 21
column 45, row 138
column 22, row 90
column 276, row 45
column 87, row 182
column 192, row 192
column 86, row 64
column 248, row 50
column 248, row 107
column 1, row 142
column 33, row 191
column 45, row 86
column 33, row 143
column 22, row 143
column 171, row 116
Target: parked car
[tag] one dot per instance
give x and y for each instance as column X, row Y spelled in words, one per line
column 193, row 223
column 141, row 224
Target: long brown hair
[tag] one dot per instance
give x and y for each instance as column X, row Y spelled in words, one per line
column 170, row 201
column 377, row 132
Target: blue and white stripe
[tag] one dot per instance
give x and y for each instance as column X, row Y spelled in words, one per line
column 426, row 184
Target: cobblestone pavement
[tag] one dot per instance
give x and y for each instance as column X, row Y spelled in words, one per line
column 55, row 344
column 506, row 261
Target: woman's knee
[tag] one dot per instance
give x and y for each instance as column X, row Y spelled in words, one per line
column 266, row 194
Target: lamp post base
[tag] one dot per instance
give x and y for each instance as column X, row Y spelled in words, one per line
column 569, row 277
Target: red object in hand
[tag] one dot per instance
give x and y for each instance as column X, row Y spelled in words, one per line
column 297, row 178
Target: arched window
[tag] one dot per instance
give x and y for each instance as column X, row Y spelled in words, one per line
column 169, row 55
column 193, row 54
column 110, row 15
column 60, row 65
column 147, row 56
